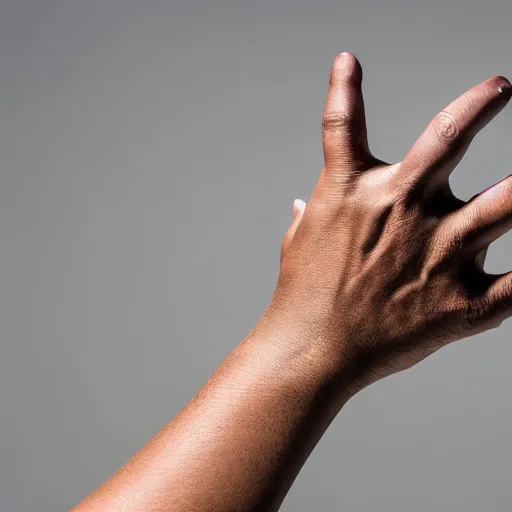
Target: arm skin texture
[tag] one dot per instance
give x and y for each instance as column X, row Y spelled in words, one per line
column 382, row 267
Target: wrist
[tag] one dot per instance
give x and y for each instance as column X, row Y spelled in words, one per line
column 302, row 356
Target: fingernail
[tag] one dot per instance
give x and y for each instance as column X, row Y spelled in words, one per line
column 505, row 91
column 299, row 204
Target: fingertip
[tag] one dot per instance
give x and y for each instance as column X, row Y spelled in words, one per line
column 505, row 89
column 298, row 205
column 298, row 208
column 501, row 81
column 346, row 65
column 345, row 59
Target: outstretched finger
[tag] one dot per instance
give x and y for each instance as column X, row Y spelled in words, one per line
column 482, row 220
column 444, row 142
column 345, row 140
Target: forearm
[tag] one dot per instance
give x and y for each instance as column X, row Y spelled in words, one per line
column 240, row 442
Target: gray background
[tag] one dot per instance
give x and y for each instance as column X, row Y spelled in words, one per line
column 150, row 152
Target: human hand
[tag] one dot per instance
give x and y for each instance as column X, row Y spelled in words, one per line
column 385, row 265
column 382, row 267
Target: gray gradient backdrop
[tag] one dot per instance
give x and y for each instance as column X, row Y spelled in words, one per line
column 150, row 153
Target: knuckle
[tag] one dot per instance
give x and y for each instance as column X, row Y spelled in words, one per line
column 448, row 246
column 446, row 127
column 408, row 190
column 335, row 120
column 455, row 243
column 407, row 202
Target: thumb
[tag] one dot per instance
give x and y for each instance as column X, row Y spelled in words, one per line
column 298, row 211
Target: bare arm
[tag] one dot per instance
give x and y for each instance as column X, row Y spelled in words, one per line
column 383, row 267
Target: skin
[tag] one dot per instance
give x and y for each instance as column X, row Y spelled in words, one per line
column 382, row 267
